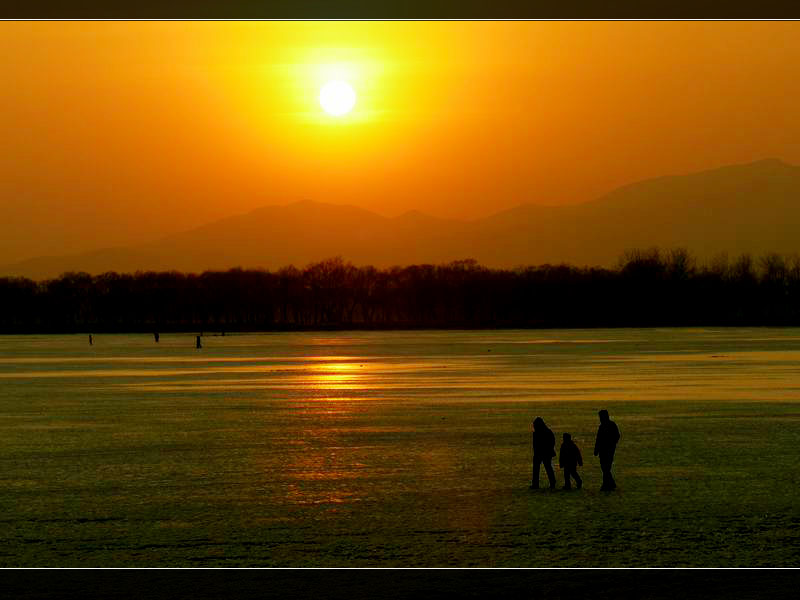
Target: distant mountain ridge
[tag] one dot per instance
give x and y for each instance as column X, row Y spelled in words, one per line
column 752, row 208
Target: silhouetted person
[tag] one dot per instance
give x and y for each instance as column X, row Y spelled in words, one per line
column 198, row 344
column 544, row 449
column 569, row 457
column 90, row 339
column 155, row 337
column 605, row 445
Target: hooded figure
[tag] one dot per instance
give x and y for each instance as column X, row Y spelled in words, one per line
column 605, row 445
column 544, row 449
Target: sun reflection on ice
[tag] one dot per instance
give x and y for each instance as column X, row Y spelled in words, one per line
column 338, row 375
column 323, row 466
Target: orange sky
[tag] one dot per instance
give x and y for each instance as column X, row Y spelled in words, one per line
column 117, row 132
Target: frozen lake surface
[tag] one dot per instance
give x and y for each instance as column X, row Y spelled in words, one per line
column 398, row 448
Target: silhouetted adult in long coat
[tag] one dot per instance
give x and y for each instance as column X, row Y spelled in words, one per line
column 605, row 445
column 544, row 449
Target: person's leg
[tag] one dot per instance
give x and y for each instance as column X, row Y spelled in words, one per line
column 551, row 476
column 578, row 480
column 567, row 484
column 535, row 476
column 603, row 467
column 605, row 464
column 611, row 483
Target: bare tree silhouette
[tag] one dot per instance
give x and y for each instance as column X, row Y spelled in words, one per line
column 650, row 287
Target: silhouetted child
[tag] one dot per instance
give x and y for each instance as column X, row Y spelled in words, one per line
column 569, row 458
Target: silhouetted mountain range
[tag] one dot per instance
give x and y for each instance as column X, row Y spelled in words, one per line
column 751, row 208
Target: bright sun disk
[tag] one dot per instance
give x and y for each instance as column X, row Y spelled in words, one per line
column 337, row 98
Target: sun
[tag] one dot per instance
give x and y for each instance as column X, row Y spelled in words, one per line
column 337, row 98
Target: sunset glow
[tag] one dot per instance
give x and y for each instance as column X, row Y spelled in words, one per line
column 123, row 132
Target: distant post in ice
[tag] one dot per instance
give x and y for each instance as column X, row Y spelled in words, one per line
column 198, row 344
column 90, row 339
column 155, row 337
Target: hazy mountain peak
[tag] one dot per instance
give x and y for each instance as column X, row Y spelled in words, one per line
column 752, row 207
column 413, row 213
column 764, row 165
column 415, row 216
column 771, row 161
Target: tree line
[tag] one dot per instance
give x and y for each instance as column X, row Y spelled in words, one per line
column 651, row 287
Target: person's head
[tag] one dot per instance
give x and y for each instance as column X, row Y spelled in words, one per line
column 603, row 416
column 567, row 437
column 538, row 423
